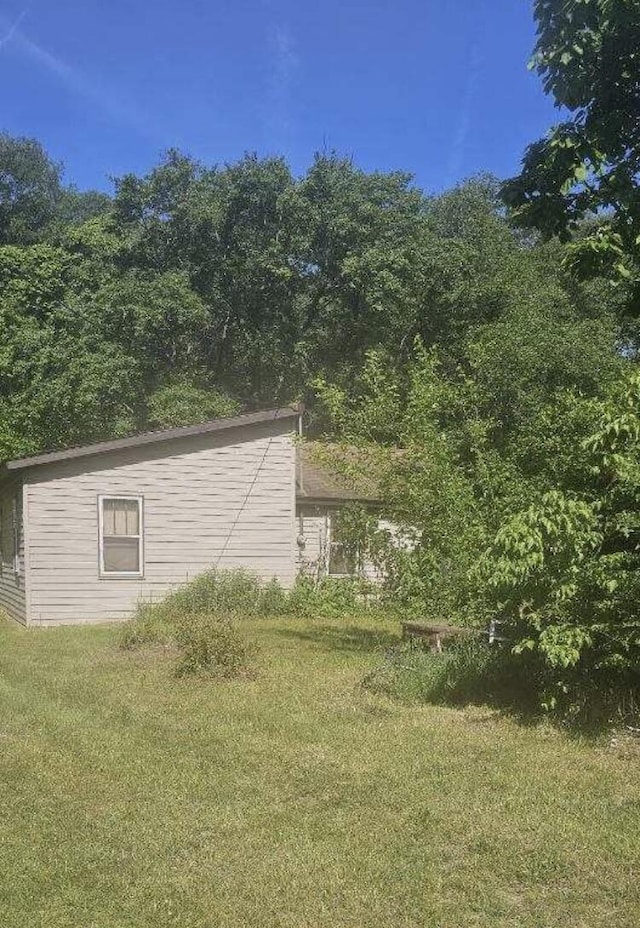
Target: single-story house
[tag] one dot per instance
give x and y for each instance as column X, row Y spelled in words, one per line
column 88, row 532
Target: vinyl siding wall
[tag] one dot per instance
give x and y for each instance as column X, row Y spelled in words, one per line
column 314, row 530
column 12, row 582
column 223, row 499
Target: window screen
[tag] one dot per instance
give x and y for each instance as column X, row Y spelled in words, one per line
column 121, row 535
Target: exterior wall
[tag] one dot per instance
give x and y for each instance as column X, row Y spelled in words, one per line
column 222, row 499
column 12, row 580
column 313, row 541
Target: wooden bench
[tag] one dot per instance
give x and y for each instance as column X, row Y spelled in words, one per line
column 436, row 634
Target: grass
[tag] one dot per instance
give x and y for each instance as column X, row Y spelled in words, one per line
column 132, row 799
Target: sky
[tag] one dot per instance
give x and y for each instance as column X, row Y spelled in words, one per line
column 438, row 88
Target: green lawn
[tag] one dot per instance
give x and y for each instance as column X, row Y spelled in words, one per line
column 130, row 798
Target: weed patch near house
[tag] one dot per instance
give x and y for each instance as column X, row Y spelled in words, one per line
column 467, row 671
column 200, row 618
column 212, row 645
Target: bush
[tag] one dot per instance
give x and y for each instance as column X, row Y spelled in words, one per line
column 214, row 592
column 149, row 626
column 199, row 620
column 331, row 597
column 232, row 592
column 210, row 644
column 469, row 670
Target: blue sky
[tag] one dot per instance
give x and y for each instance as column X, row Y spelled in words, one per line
column 436, row 87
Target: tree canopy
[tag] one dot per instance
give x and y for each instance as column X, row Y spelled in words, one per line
column 587, row 168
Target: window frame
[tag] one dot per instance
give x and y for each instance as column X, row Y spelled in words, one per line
column 15, row 527
column 331, row 544
column 9, row 530
column 120, row 574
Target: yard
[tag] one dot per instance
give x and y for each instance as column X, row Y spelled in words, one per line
column 131, row 798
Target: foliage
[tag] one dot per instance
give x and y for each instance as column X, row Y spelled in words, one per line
column 29, row 190
column 213, row 592
column 355, row 528
column 211, row 645
column 588, row 165
column 196, row 290
column 331, row 597
column 467, row 671
column 566, row 570
column 187, row 403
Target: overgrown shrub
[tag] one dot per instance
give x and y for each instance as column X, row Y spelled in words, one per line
column 214, row 592
column 468, row 670
column 565, row 572
column 232, row 592
column 211, row 644
column 200, row 618
column 331, row 597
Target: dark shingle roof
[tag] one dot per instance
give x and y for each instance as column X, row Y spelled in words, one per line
column 318, row 481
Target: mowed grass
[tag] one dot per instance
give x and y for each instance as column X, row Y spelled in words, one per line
column 131, row 798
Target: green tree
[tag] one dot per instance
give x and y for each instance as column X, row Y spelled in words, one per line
column 30, row 190
column 588, row 166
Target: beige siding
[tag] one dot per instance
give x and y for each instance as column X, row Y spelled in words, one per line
column 314, row 536
column 12, row 583
column 224, row 500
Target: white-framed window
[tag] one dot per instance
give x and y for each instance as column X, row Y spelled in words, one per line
column 15, row 524
column 340, row 562
column 9, row 534
column 121, row 548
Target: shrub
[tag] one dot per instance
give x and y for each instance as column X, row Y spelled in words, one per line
column 150, row 625
column 232, row 592
column 469, row 670
column 214, row 592
column 331, row 597
column 211, row 644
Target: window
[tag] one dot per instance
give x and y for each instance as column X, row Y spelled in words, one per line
column 120, row 536
column 15, row 521
column 341, row 562
column 9, row 532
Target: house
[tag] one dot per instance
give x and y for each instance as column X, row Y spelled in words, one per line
column 321, row 493
column 86, row 533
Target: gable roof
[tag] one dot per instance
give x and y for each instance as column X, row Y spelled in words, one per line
column 318, row 482
column 147, row 438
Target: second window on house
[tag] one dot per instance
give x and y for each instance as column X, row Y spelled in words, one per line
column 121, row 535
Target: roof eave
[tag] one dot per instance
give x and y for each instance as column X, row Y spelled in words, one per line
column 337, row 500
column 148, row 438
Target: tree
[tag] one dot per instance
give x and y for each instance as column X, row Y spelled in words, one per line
column 30, row 190
column 565, row 571
column 581, row 181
